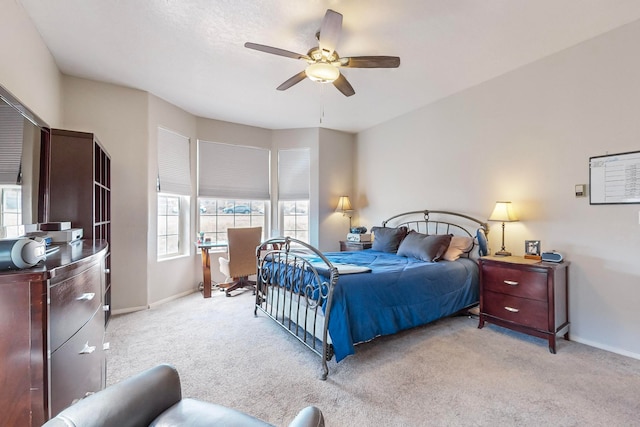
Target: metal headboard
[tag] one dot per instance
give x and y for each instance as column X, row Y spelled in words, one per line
column 442, row 222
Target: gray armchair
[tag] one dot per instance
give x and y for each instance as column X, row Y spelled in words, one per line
column 154, row 398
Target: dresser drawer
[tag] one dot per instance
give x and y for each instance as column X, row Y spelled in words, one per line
column 77, row 367
column 526, row 312
column 72, row 303
column 517, row 282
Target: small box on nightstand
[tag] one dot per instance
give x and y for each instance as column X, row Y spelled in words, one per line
column 357, row 237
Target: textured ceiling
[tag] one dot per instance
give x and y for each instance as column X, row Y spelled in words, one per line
column 191, row 53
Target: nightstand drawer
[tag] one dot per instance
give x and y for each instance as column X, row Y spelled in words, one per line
column 517, row 282
column 522, row 311
column 346, row 246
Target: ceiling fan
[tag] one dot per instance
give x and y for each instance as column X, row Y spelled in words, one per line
column 323, row 61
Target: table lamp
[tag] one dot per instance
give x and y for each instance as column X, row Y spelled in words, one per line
column 502, row 212
column 344, row 206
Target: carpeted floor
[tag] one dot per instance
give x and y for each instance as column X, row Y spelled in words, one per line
column 447, row 373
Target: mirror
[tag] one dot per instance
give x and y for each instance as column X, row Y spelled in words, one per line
column 21, row 134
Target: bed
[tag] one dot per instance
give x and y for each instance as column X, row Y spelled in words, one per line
column 422, row 267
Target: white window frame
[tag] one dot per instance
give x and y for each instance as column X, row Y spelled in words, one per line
column 174, row 180
column 10, row 228
column 294, row 170
column 231, row 218
column 234, row 173
column 295, row 215
column 183, row 227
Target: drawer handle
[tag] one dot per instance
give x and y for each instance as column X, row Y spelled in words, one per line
column 88, row 349
column 511, row 309
column 511, row 282
column 87, row 296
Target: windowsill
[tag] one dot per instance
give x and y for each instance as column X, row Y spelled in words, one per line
column 172, row 257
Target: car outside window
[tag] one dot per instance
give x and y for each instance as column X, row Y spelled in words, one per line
column 218, row 215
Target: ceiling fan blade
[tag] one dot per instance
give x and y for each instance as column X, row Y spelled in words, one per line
column 344, row 86
column 292, row 81
column 275, row 51
column 370, row 62
column 330, row 32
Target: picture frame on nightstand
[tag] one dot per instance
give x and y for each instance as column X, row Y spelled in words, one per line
column 532, row 247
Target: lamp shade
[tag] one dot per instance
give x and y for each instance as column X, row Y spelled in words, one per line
column 344, row 204
column 503, row 212
column 322, row 72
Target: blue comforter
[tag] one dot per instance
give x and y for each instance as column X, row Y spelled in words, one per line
column 397, row 293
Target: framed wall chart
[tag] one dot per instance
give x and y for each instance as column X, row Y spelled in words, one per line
column 614, row 179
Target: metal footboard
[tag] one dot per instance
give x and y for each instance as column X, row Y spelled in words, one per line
column 297, row 293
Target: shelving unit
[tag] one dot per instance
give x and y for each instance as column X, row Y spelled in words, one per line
column 79, row 190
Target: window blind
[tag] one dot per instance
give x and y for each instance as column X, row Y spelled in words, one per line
column 12, row 125
column 174, row 171
column 233, row 171
column 293, row 174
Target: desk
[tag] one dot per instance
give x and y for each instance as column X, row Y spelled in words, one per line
column 206, row 265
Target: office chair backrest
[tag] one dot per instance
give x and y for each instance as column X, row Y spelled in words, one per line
column 242, row 250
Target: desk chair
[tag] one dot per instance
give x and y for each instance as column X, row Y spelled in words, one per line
column 241, row 262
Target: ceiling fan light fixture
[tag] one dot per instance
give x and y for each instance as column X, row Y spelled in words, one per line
column 322, row 72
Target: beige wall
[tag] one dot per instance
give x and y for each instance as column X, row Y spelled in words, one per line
column 331, row 161
column 118, row 117
column 336, row 158
column 27, row 69
column 298, row 138
column 177, row 276
column 527, row 137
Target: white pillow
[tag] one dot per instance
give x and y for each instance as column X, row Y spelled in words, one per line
column 458, row 245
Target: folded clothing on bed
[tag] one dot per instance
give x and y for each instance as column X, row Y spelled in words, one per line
column 343, row 268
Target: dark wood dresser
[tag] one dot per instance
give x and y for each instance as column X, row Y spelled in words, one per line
column 52, row 333
column 525, row 295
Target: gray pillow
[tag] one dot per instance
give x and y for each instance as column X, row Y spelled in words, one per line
column 387, row 239
column 424, row 247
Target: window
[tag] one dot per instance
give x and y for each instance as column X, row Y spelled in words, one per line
column 174, row 189
column 295, row 219
column 12, row 125
column 233, row 188
column 217, row 215
column 168, row 225
column 293, row 193
column 10, row 208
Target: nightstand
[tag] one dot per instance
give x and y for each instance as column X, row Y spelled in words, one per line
column 354, row 246
column 525, row 295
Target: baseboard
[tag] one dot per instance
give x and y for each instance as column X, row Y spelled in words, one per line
column 171, row 298
column 128, row 310
column 616, row 350
column 153, row 304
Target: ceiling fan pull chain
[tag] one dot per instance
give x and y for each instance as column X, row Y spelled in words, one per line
column 321, row 103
